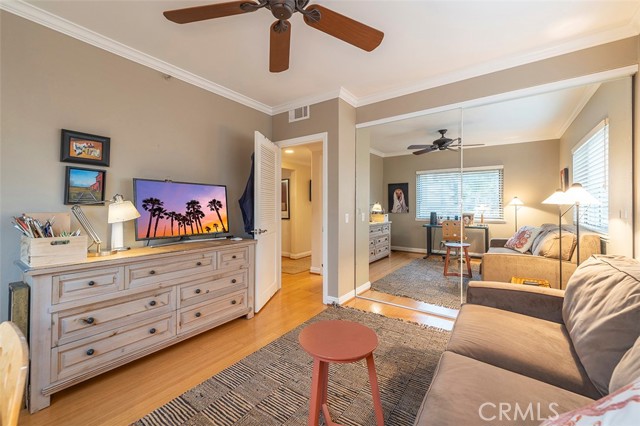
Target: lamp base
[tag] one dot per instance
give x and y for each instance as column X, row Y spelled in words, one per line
column 101, row 253
column 117, row 249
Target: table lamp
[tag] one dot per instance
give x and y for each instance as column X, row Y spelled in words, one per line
column 120, row 211
column 516, row 202
column 377, row 213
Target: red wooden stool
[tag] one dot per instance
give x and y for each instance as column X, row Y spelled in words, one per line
column 341, row 342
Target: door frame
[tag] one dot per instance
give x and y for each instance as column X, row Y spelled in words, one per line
column 304, row 140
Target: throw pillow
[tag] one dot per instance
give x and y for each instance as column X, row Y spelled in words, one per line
column 619, row 408
column 549, row 245
column 627, row 368
column 601, row 311
column 523, row 238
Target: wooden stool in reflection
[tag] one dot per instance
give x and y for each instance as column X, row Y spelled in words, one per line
column 464, row 247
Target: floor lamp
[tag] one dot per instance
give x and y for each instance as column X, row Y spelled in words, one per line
column 516, row 203
column 578, row 196
column 559, row 198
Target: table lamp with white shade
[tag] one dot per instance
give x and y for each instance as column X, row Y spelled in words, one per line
column 120, row 211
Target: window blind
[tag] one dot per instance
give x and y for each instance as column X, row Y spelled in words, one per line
column 449, row 192
column 591, row 169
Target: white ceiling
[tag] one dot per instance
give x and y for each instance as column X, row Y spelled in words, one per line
column 427, row 43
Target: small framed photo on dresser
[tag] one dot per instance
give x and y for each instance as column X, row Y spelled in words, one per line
column 84, row 148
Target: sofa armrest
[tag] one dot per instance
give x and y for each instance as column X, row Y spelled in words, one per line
column 498, row 242
column 539, row 302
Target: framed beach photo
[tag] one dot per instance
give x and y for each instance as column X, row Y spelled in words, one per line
column 83, row 148
column 84, row 186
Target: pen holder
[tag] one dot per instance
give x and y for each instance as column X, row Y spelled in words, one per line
column 36, row 252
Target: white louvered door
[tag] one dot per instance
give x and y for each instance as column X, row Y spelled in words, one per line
column 267, row 219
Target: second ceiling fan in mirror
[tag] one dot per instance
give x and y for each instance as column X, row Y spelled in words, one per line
column 443, row 143
column 316, row 16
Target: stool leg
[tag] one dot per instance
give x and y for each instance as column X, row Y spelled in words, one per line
column 316, row 392
column 446, row 261
column 466, row 257
column 375, row 390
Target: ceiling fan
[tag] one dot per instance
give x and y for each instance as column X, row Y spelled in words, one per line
column 441, row 144
column 316, row 16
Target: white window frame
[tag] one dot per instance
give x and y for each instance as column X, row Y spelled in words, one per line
column 594, row 218
column 495, row 214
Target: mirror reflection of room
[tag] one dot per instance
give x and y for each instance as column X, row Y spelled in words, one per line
column 519, row 197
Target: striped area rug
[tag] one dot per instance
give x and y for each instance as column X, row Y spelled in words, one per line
column 272, row 386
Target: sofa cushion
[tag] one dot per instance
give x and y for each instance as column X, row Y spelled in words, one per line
column 601, row 311
column 627, row 369
column 468, row 392
column 549, row 245
column 619, row 408
column 503, row 250
column 523, row 238
column 533, row 347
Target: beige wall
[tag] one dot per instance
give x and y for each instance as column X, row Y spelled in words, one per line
column 612, row 100
column 159, row 129
column 532, row 181
column 376, row 189
column 299, row 244
column 316, row 209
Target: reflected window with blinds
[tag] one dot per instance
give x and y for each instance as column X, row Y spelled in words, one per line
column 450, row 192
column 591, row 169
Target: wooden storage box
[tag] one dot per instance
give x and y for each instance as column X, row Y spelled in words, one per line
column 53, row 251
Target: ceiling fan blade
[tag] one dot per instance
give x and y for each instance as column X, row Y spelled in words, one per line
column 211, row 11
column 418, row 146
column 279, row 43
column 424, row 151
column 344, row 28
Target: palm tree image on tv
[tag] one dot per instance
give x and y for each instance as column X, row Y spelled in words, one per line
column 176, row 209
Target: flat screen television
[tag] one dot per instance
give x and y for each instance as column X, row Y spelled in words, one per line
column 179, row 209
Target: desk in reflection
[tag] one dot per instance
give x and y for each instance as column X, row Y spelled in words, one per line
column 430, row 228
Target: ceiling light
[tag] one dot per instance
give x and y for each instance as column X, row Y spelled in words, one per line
column 288, row 151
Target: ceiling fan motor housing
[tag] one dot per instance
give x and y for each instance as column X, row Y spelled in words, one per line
column 282, row 9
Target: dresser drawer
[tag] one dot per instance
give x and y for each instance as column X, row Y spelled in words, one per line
column 158, row 272
column 74, row 324
column 229, row 305
column 233, row 258
column 80, row 285
column 382, row 240
column 386, row 228
column 372, row 243
column 208, row 288
column 382, row 250
column 375, row 229
column 85, row 355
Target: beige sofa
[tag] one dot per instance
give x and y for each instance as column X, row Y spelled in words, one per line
column 520, row 354
column 501, row 263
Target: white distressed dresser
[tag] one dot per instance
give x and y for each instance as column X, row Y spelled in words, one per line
column 92, row 316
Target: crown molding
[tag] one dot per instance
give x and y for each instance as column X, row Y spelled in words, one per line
column 56, row 23
column 588, row 93
column 376, row 152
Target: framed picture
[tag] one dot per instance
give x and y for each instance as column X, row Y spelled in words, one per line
column 84, row 186
column 285, row 210
column 467, row 219
column 564, row 179
column 83, row 148
column 398, row 198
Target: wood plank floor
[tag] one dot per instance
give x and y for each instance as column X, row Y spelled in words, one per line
column 126, row 394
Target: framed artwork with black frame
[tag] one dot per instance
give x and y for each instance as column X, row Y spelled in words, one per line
column 84, row 186
column 285, row 210
column 84, row 148
column 564, row 179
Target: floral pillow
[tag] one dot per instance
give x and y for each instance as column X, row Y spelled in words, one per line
column 523, row 239
column 619, row 408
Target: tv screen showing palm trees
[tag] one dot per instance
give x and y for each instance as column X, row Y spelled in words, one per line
column 179, row 209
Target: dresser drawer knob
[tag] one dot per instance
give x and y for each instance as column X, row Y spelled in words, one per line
column 152, row 272
column 89, row 320
column 198, row 263
column 198, row 314
column 233, row 281
column 233, row 302
column 91, row 283
column 198, row 291
column 234, row 256
column 90, row 352
column 152, row 303
column 152, row 331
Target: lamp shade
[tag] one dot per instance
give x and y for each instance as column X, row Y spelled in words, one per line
column 121, row 210
column 516, row 202
column 576, row 194
column 558, row 198
column 377, row 208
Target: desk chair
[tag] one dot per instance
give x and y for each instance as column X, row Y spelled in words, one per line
column 14, row 362
column 453, row 238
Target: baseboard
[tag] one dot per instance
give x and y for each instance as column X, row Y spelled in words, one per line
column 364, row 287
column 315, row 270
column 340, row 300
column 299, row 255
column 409, row 249
column 286, row 254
